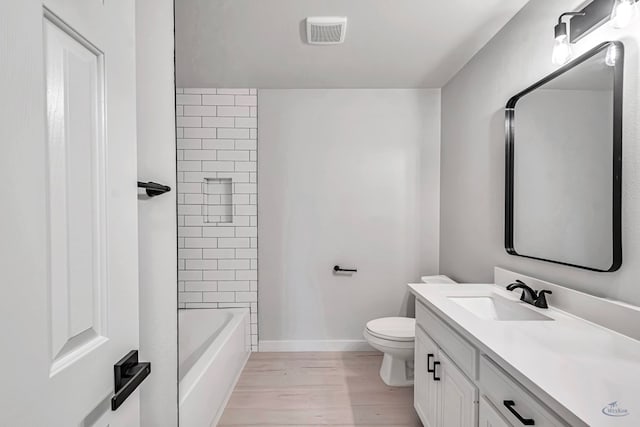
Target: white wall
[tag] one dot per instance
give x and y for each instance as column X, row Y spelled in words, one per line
column 347, row 177
column 157, row 216
column 218, row 255
column 472, row 203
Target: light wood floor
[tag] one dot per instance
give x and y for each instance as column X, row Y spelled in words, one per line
column 313, row 389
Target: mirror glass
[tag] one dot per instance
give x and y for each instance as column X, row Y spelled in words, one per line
column 564, row 164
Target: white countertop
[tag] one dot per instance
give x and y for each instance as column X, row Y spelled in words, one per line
column 581, row 366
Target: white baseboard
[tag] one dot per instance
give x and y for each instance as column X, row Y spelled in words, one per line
column 314, row 345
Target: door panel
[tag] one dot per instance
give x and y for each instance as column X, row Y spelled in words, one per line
column 76, row 187
column 458, row 396
column 420, row 376
column 425, row 388
column 70, row 308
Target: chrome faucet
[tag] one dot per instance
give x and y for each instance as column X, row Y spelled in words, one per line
column 529, row 295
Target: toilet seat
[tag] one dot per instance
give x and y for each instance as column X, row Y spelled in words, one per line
column 386, row 345
column 399, row 329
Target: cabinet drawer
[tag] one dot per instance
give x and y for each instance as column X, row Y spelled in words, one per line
column 503, row 391
column 489, row 415
column 457, row 348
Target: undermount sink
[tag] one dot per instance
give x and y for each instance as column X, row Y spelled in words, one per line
column 497, row 308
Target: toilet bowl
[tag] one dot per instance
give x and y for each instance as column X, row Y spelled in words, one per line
column 393, row 336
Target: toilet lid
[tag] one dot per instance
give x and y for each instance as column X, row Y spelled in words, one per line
column 393, row 328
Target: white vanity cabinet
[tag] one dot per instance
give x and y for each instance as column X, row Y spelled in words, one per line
column 458, row 386
column 443, row 396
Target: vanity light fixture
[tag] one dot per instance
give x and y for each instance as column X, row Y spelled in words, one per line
column 623, row 12
column 597, row 12
column 561, row 47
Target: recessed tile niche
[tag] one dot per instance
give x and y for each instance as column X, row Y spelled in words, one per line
column 218, row 200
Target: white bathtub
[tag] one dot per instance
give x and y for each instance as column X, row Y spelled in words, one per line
column 213, row 349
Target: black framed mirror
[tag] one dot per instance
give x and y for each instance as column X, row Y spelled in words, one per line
column 564, row 164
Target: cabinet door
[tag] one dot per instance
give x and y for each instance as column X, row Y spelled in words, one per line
column 425, row 390
column 489, row 416
column 458, row 396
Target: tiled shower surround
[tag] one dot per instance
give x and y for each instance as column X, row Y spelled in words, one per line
column 217, row 200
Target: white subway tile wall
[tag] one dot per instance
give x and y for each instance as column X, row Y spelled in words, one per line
column 217, row 256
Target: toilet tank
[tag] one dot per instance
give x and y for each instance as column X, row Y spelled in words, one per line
column 438, row 279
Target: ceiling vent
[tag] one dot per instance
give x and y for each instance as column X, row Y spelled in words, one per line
column 326, row 29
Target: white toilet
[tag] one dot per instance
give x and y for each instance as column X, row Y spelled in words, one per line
column 395, row 337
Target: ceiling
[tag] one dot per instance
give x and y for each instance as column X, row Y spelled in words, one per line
column 389, row 43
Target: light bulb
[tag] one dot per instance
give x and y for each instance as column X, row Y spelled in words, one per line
column 561, row 51
column 623, row 12
column 612, row 56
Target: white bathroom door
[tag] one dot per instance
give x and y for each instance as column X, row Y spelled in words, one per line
column 68, row 213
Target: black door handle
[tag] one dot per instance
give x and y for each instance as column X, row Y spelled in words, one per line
column 509, row 404
column 128, row 373
column 430, row 370
column 338, row 269
column 153, row 188
column 435, row 377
